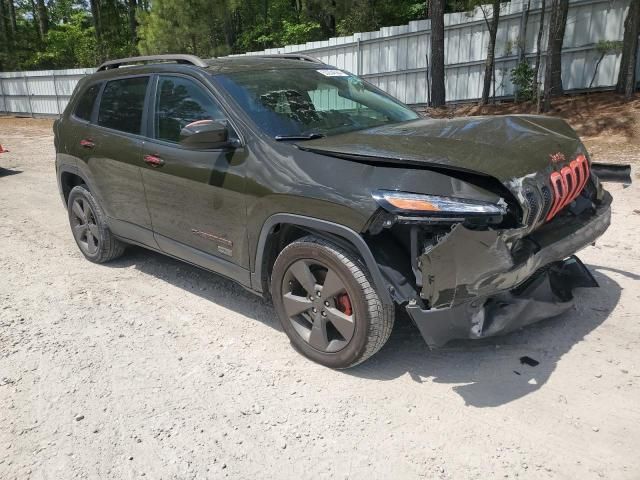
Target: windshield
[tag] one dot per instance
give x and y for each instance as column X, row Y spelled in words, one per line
column 301, row 102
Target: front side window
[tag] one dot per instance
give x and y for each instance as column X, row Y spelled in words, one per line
column 122, row 104
column 304, row 101
column 179, row 102
column 84, row 108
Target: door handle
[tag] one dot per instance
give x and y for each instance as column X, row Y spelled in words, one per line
column 153, row 161
column 87, row 143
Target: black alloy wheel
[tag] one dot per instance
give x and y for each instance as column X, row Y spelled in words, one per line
column 84, row 227
column 89, row 227
column 318, row 305
column 326, row 303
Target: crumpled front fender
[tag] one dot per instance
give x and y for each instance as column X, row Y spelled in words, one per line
column 466, row 263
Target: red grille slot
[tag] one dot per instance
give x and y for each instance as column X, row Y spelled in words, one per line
column 570, row 178
column 567, row 184
column 559, row 189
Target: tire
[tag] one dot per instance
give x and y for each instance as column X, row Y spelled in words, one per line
column 89, row 227
column 323, row 325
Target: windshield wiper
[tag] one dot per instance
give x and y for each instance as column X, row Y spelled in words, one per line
column 309, row 136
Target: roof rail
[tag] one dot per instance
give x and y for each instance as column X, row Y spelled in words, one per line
column 290, row 56
column 178, row 58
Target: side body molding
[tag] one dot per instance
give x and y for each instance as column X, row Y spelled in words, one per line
column 323, row 226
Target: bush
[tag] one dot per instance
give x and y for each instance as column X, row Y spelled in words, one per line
column 522, row 76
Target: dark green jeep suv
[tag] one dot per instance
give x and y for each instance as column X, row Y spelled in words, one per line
column 308, row 185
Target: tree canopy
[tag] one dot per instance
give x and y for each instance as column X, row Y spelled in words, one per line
column 51, row 34
column 38, row 34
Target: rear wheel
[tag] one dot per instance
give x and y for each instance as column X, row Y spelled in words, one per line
column 89, row 228
column 327, row 305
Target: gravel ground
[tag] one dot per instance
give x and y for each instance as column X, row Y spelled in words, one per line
column 148, row 367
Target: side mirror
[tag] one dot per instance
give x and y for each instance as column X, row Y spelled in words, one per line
column 205, row 134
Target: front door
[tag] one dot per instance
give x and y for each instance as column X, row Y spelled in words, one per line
column 195, row 197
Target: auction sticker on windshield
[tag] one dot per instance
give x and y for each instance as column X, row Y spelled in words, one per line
column 332, row 73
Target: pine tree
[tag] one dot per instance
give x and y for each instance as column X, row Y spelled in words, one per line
column 436, row 14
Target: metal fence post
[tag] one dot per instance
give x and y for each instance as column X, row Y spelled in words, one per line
column 26, row 86
column 4, row 97
column 55, row 91
column 428, row 81
column 359, row 57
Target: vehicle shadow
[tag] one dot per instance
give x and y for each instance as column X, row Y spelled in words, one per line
column 485, row 373
column 5, row 172
column 489, row 372
column 210, row 286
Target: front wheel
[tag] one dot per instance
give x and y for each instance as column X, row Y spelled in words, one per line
column 327, row 305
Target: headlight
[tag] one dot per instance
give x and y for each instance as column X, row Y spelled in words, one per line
column 436, row 206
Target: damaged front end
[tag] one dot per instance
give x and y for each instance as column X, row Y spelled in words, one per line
column 480, row 217
column 481, row 273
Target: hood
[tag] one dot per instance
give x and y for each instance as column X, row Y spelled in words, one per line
column 504, row 147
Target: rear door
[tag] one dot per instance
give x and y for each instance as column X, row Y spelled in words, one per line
column 114, row 144
column 195, row 197
column 76, row 129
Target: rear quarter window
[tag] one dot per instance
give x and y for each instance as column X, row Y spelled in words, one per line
column 84, row 108
column 122, row 104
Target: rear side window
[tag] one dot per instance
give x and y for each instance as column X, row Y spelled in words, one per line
column 122, row 104
column 85, row 104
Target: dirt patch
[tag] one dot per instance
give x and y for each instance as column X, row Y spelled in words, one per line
column 150, row 367
column 608, row 125
column 12, row 126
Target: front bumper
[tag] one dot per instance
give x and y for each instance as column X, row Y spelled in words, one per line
column 478, row 284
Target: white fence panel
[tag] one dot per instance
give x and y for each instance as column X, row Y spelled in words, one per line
column 42, row 92
column 396, row 59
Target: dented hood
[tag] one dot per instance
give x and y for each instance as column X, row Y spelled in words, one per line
column 504, row 147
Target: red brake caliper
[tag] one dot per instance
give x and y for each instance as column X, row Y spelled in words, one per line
column 344, row 304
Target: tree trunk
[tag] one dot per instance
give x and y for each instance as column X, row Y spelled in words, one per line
column 522, row 36
column 36, row 23
column 522, row 41
column 97, row 25
column 556, row 54
column 43, row 18
column 536, row 69
column 133, row 23
column 4, row 34
column 489, row 64
column 12, row 19
column 627, row 78
column 232, row 27
column 553, row 73
column 436, row 14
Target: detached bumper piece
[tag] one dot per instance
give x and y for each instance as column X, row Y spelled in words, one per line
column 546, row 294
column 608, row 172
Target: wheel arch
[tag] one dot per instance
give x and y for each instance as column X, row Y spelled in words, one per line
column 69, row 177
column 282, row 228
